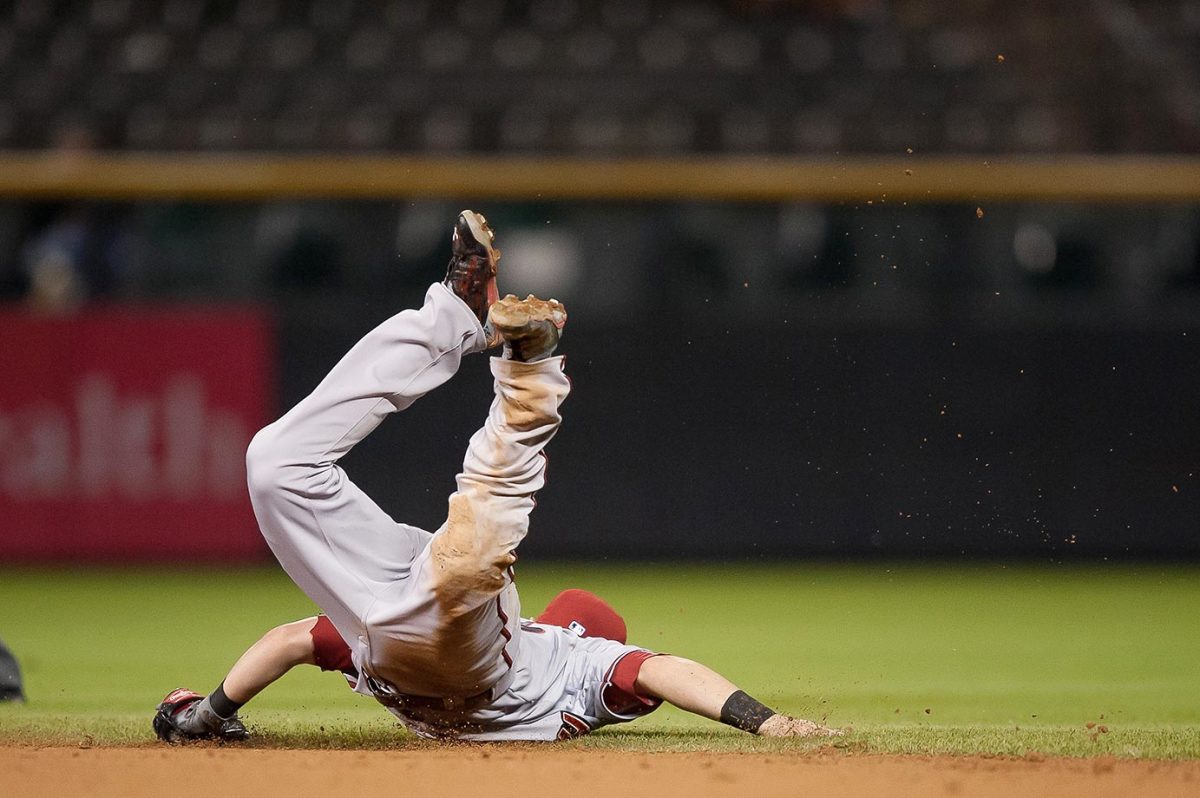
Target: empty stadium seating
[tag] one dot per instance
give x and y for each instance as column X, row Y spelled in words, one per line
column 600, row 77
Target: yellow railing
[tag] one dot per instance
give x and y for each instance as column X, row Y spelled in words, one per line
column 883, row 180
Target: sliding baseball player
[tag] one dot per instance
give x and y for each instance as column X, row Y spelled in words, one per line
column 430, row 624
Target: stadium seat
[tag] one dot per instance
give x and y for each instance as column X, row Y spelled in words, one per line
column 120, row 65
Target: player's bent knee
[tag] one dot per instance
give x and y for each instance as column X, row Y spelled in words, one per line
column 463, row 577
column 265, row 472
column 275, row 465
column 462, row 584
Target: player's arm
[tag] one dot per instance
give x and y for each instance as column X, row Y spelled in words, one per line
column 185, row 715
column 275, row 653
column 701, row 690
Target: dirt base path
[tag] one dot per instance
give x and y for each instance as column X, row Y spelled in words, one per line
column 548, row 773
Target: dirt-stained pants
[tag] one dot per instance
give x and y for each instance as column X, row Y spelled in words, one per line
column 430, row 615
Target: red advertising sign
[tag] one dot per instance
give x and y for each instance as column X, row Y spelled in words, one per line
column 123, row 433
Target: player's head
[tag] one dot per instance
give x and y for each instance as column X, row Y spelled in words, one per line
column 585, row 613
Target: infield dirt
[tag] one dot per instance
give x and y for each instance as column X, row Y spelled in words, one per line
column 533, row 772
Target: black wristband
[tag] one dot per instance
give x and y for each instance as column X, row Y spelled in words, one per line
column 222, row 704
column 745, row 713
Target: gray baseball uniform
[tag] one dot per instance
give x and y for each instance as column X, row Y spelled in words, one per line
column 433, row 621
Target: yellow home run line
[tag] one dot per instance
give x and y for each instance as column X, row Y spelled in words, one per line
column 855, row 180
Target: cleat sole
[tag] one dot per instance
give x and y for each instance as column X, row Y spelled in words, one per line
column 510, row 314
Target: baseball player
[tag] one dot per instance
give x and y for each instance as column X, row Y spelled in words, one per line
column 430, row 624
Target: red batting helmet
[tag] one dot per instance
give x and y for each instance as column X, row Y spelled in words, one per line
column 586, row 613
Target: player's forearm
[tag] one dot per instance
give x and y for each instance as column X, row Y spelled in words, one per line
column 686, row 684
column 696, row 688
column 276, row 652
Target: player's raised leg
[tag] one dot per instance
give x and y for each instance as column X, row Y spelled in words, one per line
column 330, row 537
column 505, row 463
column 453, row 630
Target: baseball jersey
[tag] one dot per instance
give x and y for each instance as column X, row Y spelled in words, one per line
column 563, row 684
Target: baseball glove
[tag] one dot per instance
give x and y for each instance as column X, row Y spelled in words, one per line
column 172, row 716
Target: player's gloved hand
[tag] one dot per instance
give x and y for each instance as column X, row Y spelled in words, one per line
column 787, row 726
column 177, row 720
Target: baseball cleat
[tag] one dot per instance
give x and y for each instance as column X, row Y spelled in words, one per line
column 471, row 274
column 530, row 327
column 172, row 716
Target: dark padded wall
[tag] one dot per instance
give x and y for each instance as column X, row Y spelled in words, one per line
column 765, row 439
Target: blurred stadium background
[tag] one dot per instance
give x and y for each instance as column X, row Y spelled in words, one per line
column 847, row 278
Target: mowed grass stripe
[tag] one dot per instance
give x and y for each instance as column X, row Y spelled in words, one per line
column 950, row 659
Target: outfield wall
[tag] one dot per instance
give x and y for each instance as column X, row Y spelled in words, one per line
column 693, row 439
column 123, row 432
column 770, row 358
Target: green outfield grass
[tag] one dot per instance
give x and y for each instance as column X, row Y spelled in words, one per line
column 966, row 659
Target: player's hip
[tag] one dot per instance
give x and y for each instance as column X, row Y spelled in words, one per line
column 563, row 687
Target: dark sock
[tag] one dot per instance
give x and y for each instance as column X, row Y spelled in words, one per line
column 745, row 713
column 222, row 705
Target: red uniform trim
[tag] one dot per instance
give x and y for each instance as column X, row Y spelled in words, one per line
column 505, row 632
column 620, row 695
column 545, row 470
column 572, row 726
column 181, row 696
column 330, row 652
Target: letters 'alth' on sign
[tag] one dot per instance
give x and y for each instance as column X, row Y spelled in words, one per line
column 123, row 433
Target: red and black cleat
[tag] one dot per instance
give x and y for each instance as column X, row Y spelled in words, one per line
column 174, row 721
column 471, row 274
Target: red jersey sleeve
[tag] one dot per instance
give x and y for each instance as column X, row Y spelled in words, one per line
column 329, row 650
column 620, row 694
